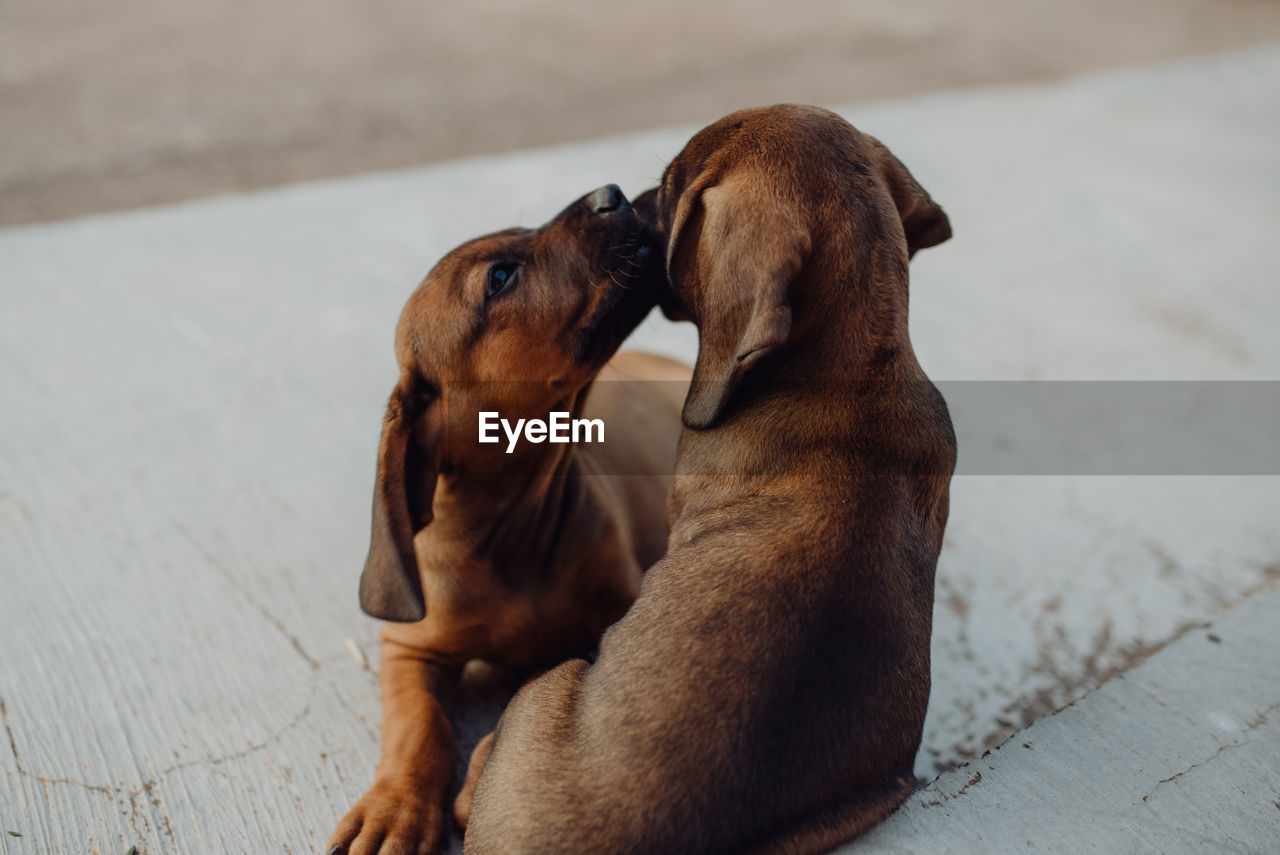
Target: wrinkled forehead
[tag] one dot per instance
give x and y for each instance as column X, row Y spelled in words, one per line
column 439, row 315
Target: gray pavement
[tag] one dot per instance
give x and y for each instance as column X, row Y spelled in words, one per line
column 191, row 403
column 1181, row 754
column 139, row 102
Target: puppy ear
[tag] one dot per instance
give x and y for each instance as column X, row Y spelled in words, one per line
column 923, row 220
column 745, row 247
column 408, row 464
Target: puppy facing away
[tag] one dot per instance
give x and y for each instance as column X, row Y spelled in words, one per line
column 519, row 555
column 766, row 691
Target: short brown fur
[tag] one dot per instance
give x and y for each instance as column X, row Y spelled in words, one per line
column 518, row 559
column 766, row 692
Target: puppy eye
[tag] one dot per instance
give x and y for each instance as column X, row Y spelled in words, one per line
column 501, row 278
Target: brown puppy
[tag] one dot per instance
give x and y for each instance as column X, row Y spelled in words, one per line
column 530, row 553
column 767, row 690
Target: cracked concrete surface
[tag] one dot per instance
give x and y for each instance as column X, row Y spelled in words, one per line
column 192, row 397
column 1149, row 763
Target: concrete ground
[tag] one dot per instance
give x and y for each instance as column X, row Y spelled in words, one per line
column 135, row 102
column 1181, row 754
column 191, row 402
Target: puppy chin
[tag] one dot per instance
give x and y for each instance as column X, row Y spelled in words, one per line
column 671, row 308
column 596, row 343
column 614, row 319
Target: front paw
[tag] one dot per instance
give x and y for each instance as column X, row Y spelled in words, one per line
column 393, row 818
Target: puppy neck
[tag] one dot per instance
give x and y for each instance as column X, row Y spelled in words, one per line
column 508, row 512
column 823, row 401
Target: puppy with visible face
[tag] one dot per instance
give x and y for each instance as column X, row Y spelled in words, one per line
column 767, row 690
column 517, row 558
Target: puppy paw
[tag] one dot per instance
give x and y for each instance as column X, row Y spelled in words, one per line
column 393, row 818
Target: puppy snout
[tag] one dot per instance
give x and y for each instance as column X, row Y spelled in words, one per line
column 607, row 198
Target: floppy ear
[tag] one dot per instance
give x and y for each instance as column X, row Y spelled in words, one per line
column 923, row 220
column 745, row 246
column 408, row 463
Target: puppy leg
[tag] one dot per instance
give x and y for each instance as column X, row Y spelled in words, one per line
column 826, row 829
column 533, row 798
column 479, row 757
column 404, row 810
column 462, row 804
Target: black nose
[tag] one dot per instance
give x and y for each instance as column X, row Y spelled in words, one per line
column 607, row 198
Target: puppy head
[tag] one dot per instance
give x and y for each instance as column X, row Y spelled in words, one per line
column 741, row 210
column 514, row 322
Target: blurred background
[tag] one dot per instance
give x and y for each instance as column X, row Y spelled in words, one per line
column 105, row 106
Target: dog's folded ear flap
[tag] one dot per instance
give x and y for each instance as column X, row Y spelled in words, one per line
column 744, row 246
column 408, row 464
column 923, row 220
